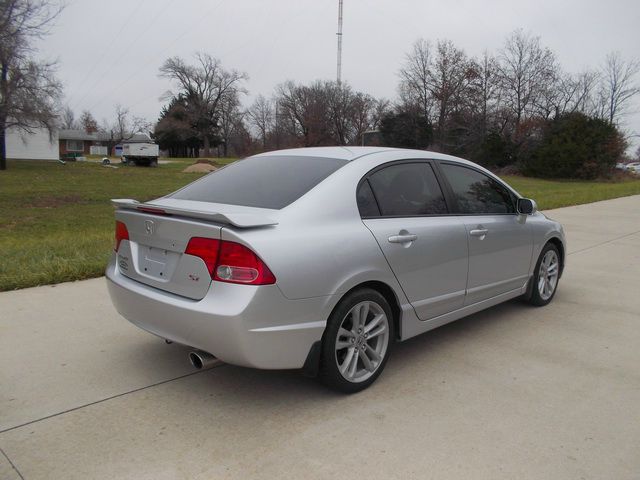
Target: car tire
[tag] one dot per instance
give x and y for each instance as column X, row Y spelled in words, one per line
column 546, row 276
column 357, row 341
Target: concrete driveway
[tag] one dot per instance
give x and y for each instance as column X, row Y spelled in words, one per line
column 512, row 392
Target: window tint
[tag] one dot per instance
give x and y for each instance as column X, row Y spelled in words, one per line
column 366, row 201
column 408, row 189
column 266, row 182
column 476, row 193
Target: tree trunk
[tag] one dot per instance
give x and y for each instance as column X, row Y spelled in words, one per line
column 207, row 146
column 3, row 148
column 4, row 78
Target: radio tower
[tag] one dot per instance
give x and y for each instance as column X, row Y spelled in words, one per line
column 339, row 77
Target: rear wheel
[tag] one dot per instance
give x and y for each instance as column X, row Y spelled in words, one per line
column 357, row 341
column 546, row 276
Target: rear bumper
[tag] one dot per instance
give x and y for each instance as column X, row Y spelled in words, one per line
column 252, row 326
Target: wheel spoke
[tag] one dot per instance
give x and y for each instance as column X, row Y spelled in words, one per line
column 367, row 362
column 347, row 361
column 363, row 314
column 374, row 333
column 354, row 364
column 343, row 332
column 372, row 353
column 373, row 323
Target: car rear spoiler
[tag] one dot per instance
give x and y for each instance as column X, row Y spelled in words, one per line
column 237, row 219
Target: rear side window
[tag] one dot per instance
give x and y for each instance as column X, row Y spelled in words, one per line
column 476, row 193
column 366, row 201
column 265, row 182
column 408, row 189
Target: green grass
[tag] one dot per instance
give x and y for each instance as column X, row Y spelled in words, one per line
column 550, row 194
column 56, row 222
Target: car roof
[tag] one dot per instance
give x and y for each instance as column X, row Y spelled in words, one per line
column 349, row 153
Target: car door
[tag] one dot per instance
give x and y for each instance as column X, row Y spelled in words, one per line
column 500, row 241
column 403, row 205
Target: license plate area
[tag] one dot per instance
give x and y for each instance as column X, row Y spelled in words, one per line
column 156, row 263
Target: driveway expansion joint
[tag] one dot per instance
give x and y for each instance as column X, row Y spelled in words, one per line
column 102, row 400
column 11, row 463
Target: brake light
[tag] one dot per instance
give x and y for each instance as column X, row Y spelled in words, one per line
column 230, row 262
column 238, row 264
column 157, row 211
column 206, row 249
column 121, row 234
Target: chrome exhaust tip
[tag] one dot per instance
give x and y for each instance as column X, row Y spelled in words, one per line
column 201, row 360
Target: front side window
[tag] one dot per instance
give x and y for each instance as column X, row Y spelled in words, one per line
column 408, row 189
column 270, row 181
column 476, row 193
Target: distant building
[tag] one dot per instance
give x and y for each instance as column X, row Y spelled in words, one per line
column 80, row 143
column 37, row 145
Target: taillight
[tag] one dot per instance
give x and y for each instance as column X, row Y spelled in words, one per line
column 121, row 234
column 206, row 249
column 230, row 262
column 238, row 264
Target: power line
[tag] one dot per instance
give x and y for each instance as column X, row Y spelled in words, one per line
column 104, row 51
column 154, row 58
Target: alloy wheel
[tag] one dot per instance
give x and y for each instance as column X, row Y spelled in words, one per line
column 362, row 341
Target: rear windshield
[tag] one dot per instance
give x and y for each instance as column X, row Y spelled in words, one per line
column 265, row 182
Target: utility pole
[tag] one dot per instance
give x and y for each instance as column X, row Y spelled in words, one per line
column 339, row 78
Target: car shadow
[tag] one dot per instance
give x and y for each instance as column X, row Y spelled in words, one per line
column 266, row 387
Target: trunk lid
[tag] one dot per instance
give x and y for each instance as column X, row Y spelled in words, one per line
column 154, row 254
column 159, row 233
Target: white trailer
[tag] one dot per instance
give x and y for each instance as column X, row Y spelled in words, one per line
column 140, row 154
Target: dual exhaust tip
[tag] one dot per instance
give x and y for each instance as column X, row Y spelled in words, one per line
column 202, row 360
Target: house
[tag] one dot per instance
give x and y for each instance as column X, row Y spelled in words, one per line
column 80, row 143
column 38, row 144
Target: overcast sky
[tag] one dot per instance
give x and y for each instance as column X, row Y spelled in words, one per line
column 109, row 52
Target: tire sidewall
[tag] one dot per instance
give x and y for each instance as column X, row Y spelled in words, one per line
column 329, row 372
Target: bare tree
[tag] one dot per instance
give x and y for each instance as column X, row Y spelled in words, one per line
column 449, row 76
column 230, row 119
column 415, row 77
column 484, row 90
column 68, row 119
column 29, row 91
column 526, row 70
column 619, row 85
column 381, row 108
column 261, row 116
column 124, row 127
column 204, row 85
column 88, row 123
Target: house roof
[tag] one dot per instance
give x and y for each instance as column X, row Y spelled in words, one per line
column 66, row 134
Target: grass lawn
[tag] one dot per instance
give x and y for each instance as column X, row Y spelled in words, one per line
column 56, row 222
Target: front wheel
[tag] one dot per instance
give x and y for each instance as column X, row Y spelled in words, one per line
column 357, row 341
column 546, row 276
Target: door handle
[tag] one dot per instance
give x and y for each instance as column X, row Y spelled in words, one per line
column 478, row 232
column 403, row 238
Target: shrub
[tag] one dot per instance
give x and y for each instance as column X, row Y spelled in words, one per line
column 575, row 146
column 406, row 130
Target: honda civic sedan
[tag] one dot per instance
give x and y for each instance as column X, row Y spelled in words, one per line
column 322, row 258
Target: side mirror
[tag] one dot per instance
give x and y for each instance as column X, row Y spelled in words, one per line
column 526, row 206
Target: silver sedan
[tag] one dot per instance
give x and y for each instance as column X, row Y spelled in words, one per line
column 323, row 258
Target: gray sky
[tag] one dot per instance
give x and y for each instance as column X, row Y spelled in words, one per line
column 110, row 51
